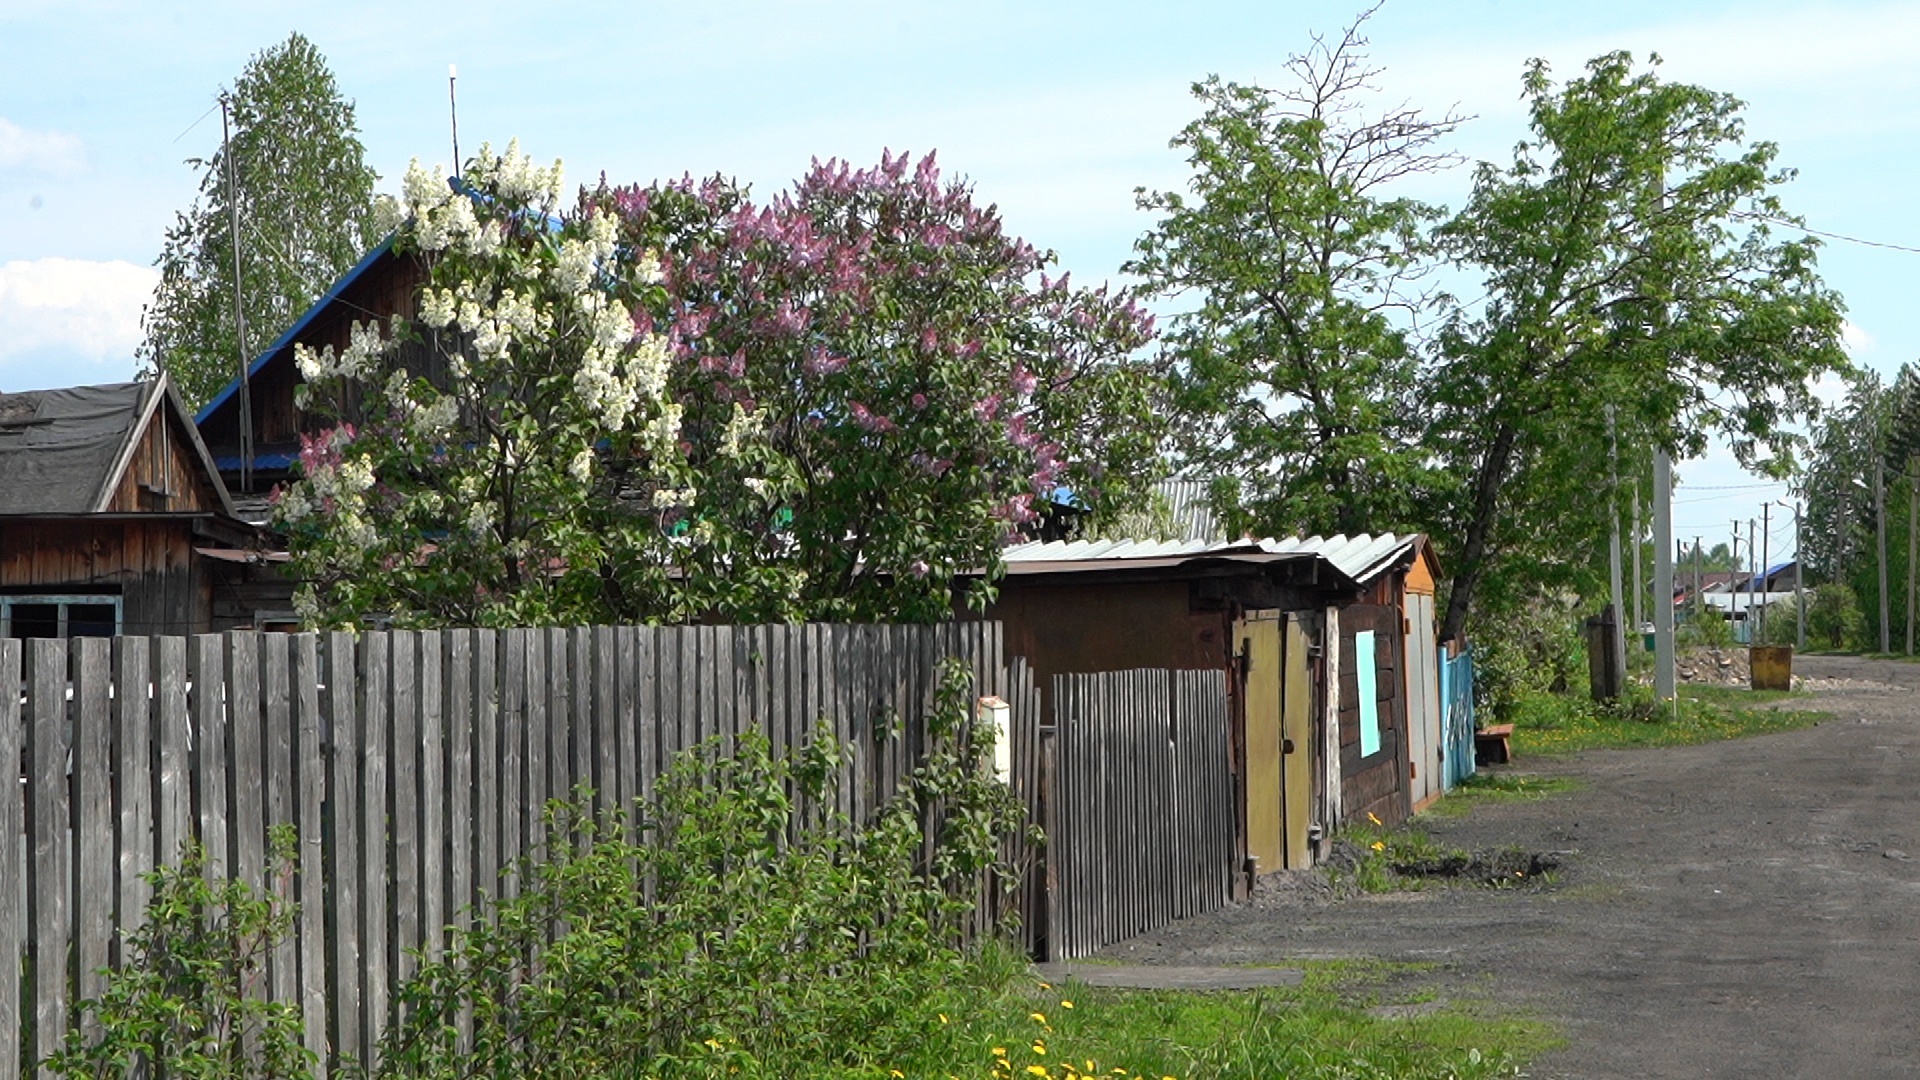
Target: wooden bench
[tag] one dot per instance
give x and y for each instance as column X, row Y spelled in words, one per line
column 1493, row 745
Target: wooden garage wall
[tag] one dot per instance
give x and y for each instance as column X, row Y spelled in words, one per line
column 1374, row 784
column 148, row 564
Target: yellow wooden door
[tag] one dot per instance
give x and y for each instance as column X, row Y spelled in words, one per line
column 1296, row 745
column 1260, row 645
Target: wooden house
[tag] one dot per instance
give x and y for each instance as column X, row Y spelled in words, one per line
column 113, row 517
column 383, row 284
column 1314, row 636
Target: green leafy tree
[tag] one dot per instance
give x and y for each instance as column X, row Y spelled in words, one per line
column 1628, row 262
column 1294, row 371
column 307, row 213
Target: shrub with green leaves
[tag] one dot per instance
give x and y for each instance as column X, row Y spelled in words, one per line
column 189, row 1004
column 740, row 926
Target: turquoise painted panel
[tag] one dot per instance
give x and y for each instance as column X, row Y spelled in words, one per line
column 1363, row 675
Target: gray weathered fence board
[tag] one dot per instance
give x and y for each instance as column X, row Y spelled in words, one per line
column 433, row 795
column 133, row 779
column 343, row 878
column 376, row 936
column 47, row 711
column 94, row 853
column 311, row 830
column 13, row 868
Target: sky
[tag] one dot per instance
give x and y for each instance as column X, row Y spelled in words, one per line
column 1056, row 111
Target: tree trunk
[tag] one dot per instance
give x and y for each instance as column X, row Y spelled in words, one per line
column 1473, row 554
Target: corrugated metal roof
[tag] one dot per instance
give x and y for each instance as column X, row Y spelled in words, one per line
column 1358, row 557
column 1190, row 508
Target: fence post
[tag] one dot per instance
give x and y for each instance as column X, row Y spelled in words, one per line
column 13, row 871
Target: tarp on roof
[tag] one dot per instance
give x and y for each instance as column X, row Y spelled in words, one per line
column 57, row 447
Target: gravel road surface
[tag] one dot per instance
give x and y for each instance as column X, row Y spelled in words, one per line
column 1741, row 909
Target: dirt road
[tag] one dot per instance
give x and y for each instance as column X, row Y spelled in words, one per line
column 1741, row 909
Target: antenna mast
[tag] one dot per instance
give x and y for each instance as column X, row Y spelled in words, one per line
column 239, row 314
column 453, row 114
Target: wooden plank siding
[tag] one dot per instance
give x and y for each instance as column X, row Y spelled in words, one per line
column 164, row 475
column 150, row 565
column 1374, row 783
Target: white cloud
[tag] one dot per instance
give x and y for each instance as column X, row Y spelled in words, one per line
column 1854, row 339
column 73, row 307
column 39, row 151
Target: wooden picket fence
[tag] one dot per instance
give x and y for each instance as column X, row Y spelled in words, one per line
column 414, row 767
column 1143, row 828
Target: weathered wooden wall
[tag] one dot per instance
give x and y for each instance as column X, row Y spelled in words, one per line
column 414, row 767
column 1374, row 783
column 163, row 475
column 149, row 564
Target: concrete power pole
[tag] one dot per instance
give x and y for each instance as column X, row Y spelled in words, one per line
column 1663, row 577
column 1880, row 539
column 1766, row 566
column 1619, row 641
column 1639, row 588
column 1913, row 540
column 1799, row 587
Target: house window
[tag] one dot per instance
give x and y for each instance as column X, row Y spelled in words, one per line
column 59, row 616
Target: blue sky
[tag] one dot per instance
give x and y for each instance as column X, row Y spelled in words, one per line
column 1056, row 111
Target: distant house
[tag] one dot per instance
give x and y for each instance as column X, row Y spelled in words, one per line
column 113, row 517
column 383, row 284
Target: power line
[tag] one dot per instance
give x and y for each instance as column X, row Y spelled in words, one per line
column 1822, row 232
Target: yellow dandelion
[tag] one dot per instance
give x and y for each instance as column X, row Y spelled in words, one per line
column 1371, row 818
column 999, row 1051
column 1037, row 1070
column 1066, row 1004
column 1039, row 1049
column 1378, row 846
column 1046, row 986
column 896, row 1072
column 1038, row 1018
column 943, row 1018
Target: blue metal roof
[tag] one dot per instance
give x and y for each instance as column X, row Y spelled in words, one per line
column 312, row 312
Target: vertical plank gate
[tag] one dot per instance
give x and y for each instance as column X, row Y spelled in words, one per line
column 1144, row 821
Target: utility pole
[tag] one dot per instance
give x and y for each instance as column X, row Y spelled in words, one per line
column 239, row 315
column 1613, row 546
column 1913, row 540
column 1766, row 566
column 1799, row 586
column 1639, row 589
column 1663, row 578
column 1699, row 601
column 1880, row 538
column 1752, row 549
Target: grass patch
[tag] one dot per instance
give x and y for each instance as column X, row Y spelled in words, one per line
column 1502, row 787
column 1320, row 1028
column 1545, row 723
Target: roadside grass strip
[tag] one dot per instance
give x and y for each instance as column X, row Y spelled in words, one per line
column 1547, row 723
column 1345, row 1019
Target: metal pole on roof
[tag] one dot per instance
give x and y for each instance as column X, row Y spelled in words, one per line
column 453, row 114
column 239, row 314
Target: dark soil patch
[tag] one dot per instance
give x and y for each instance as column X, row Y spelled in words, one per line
column 1488, row 866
